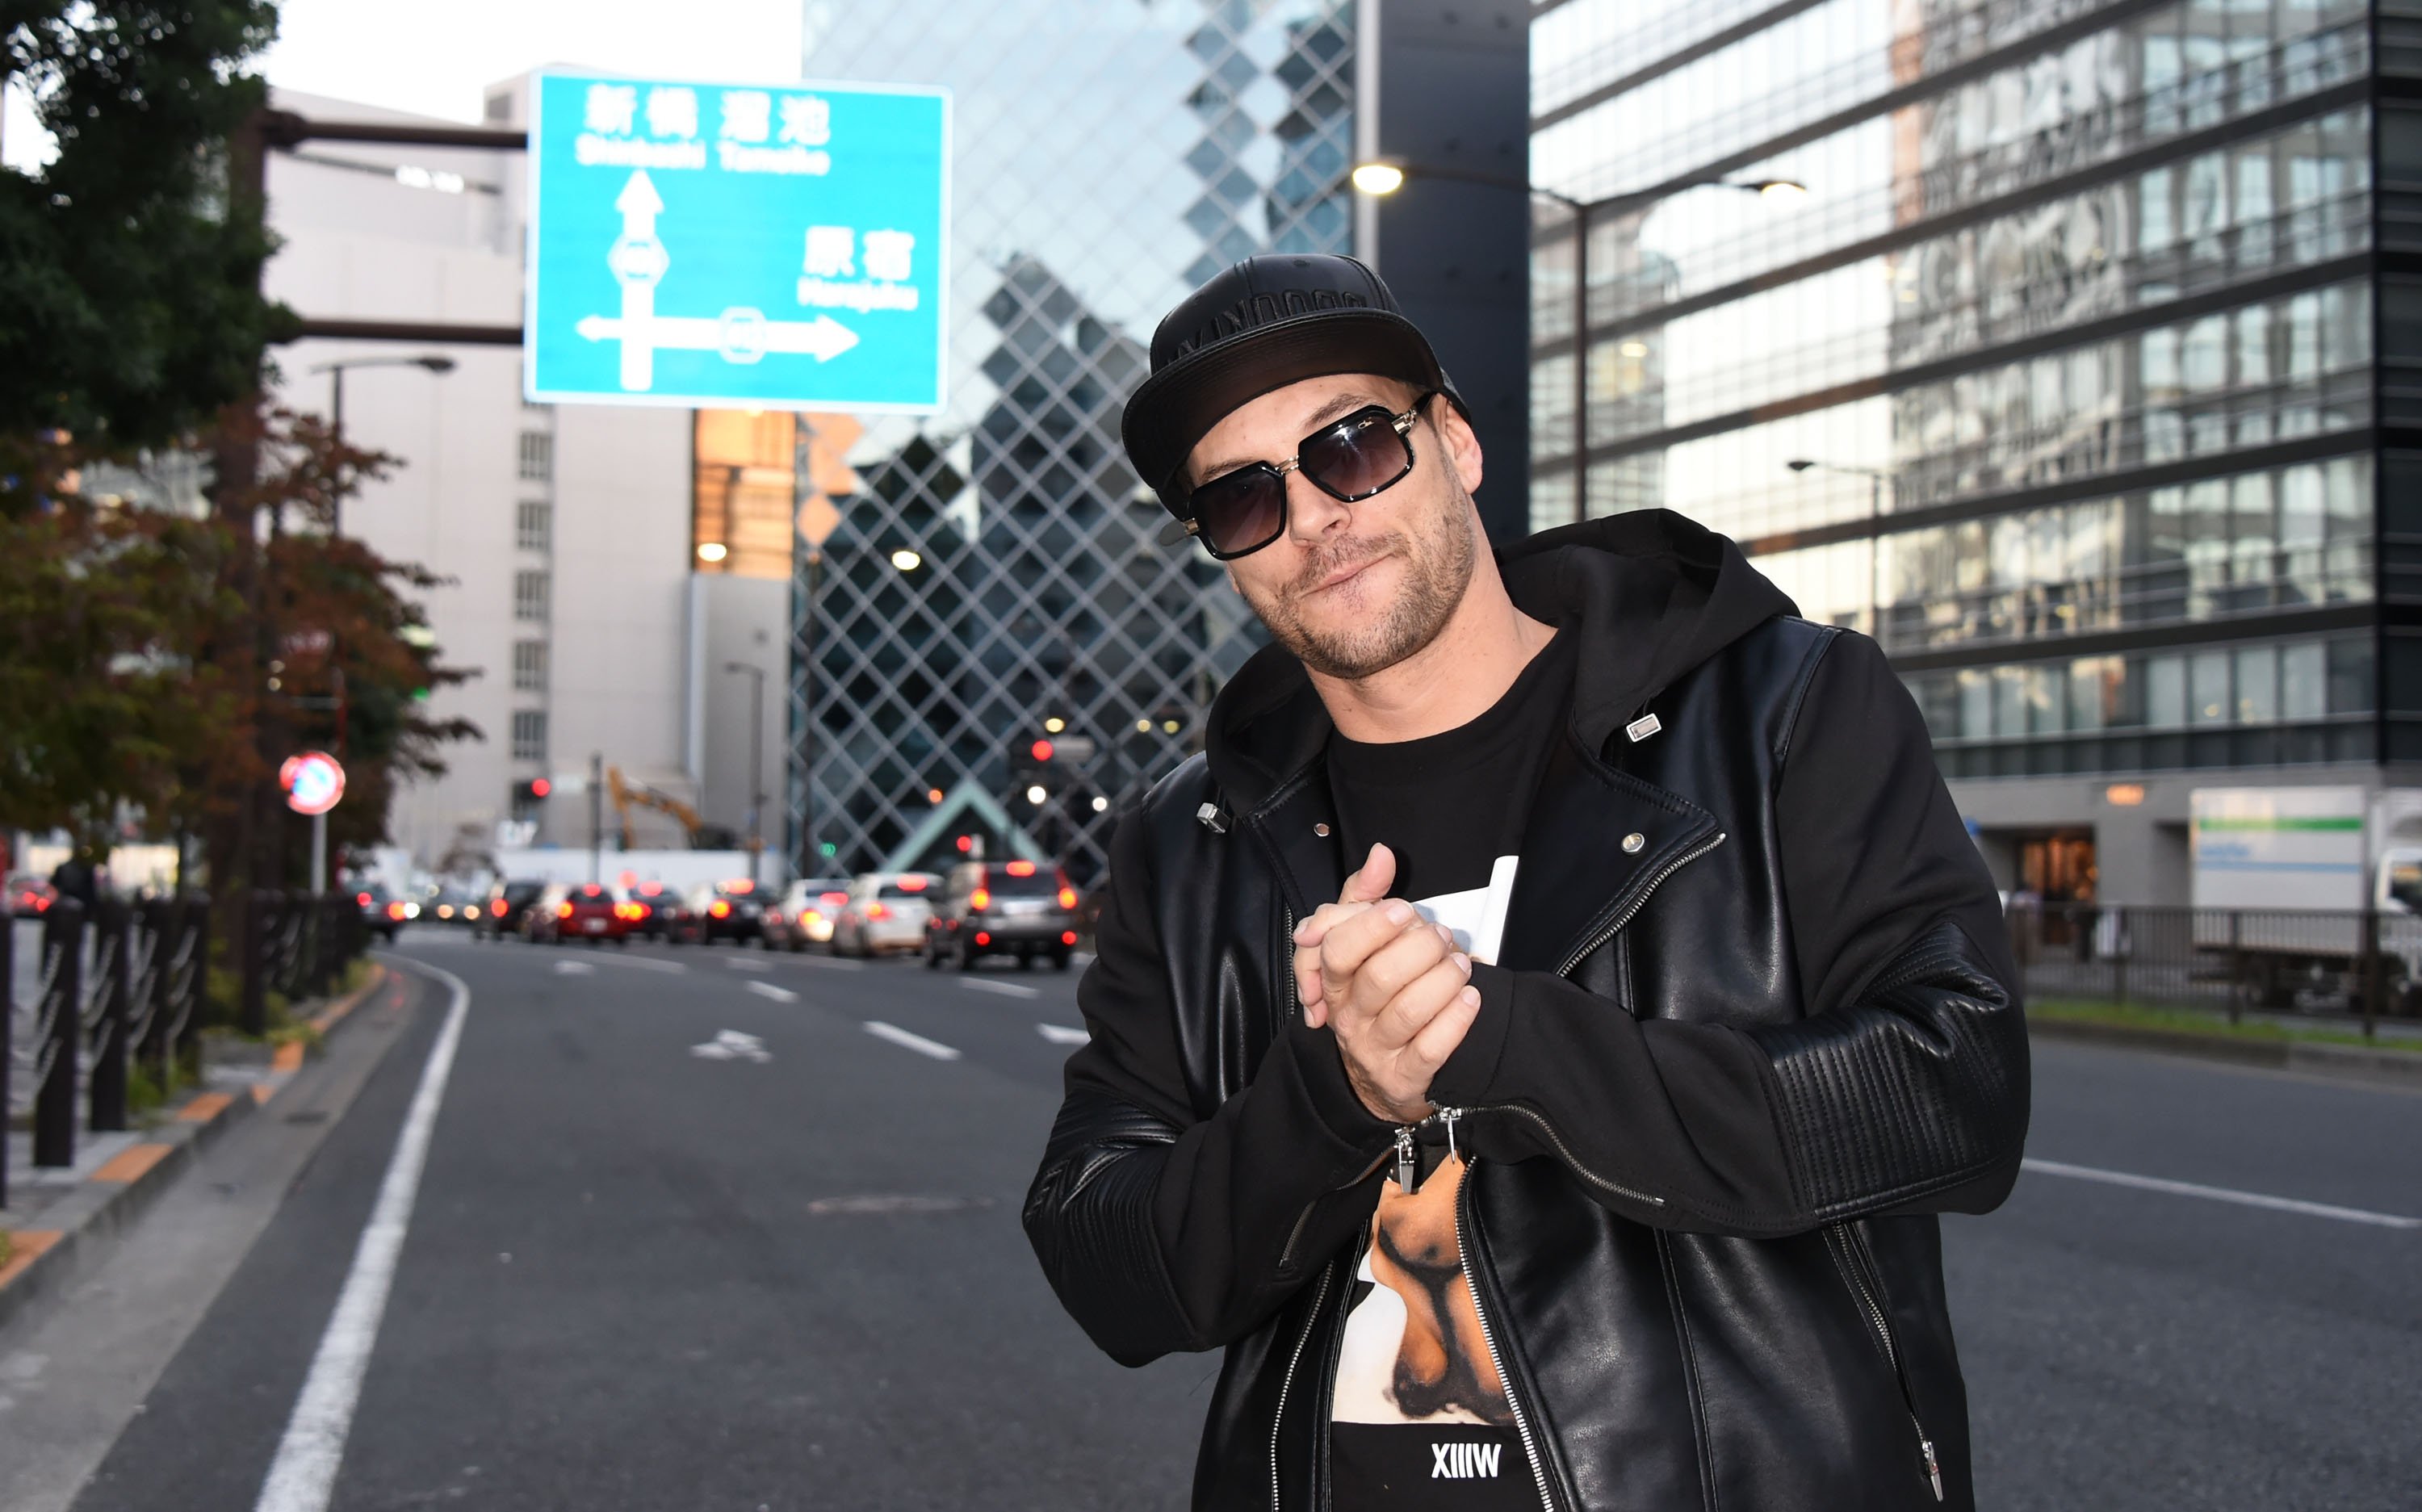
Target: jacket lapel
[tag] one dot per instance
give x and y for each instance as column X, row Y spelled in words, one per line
column 1298, row 829
column 1577, row 879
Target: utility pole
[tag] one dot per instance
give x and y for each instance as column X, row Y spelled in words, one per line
column 596, row 816
column 756, row 766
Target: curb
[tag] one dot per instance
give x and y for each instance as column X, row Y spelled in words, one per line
column 80, row 1230
column 2347, row 1062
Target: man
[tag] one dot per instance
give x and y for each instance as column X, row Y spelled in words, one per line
column 1536, row 1037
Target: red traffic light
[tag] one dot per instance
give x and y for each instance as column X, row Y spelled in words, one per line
column 540, row 787
column 967, row 842
column 1042, row 750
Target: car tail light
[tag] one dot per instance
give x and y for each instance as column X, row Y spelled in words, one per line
column 912, row 884
column 1067, row 897
column 876, row 910
column 808, row 915
column 983, row 939
column 41, row 902
column 833, row 899
column 362, row 898
column 497, row 907
column 563, row 910
column 1067, row 936
column 772, row 916
column 1021, row 868
column 395, row 911
column 979, row 901
column 720, row 908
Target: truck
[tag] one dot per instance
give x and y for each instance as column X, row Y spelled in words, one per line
column 2291, row 882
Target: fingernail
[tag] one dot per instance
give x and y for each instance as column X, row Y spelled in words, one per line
column 1400, row 913
column 1471, row 996
column 1462, row 962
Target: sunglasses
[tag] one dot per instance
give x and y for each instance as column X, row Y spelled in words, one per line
column 1367, row 452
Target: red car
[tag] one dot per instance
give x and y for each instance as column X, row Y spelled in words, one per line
column 586, row 910
column 30, row 896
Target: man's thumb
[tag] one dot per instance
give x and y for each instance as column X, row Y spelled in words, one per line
column 1372, row 883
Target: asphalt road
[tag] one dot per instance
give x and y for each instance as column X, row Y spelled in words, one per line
column 719, row 1229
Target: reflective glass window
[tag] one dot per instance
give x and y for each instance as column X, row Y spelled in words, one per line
column 2208, row 701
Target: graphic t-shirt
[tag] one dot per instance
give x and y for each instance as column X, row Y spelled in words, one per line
column 1420, row 1420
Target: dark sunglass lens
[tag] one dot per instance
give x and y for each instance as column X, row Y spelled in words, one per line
column 1360, row 455
column 1239, row 510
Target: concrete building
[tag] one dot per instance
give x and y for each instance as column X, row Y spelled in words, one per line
column 564, row 534
column 2082, row 377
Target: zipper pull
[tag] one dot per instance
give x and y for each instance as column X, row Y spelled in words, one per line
column 1933, row 1467
column 1446, row 1117
column 1409, row 1160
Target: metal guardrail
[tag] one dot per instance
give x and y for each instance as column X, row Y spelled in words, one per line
column 126, row 986
column 2366, row 965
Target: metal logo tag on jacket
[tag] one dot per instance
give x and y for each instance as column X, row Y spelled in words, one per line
column 1641, row 728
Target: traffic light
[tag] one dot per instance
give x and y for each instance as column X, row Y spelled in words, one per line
column 531, row 792
column 1031, row 762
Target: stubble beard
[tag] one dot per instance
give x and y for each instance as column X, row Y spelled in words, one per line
column 1439, row 562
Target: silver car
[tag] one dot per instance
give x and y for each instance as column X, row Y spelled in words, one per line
column 887, row 911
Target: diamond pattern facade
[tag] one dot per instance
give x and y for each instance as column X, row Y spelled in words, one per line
column 1109, row 156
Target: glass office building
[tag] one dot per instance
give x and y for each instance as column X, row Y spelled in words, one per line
column 2083, row 375
column 1000, row 565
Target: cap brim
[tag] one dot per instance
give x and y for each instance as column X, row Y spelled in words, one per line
column 1177, row 406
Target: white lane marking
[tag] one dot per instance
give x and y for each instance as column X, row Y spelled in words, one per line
column 731, row 1045
column 1007, row 989
column 638, row 962
column 742, row 963
column 303, row 1475
column 830, row 963
column 1061, row 1034
column 573, row 968
column 918, row 1043
column 767, row 990
column 2221, row 1195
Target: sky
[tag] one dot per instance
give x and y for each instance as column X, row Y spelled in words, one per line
column 436, row 58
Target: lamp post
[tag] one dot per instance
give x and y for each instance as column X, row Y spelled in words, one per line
column 434, row 362
column 1875, row 476
column 756, row 764
column 1384, row 177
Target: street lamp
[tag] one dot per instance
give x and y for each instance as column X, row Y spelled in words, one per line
column 1385, row 176
column 434, row 362
column 1875, row 476
column 756, row 764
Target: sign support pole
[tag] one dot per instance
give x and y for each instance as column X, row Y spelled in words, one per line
column 319, row 853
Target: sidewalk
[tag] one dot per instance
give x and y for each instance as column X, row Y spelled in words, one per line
column 60, row 1221
column 2329, row 1047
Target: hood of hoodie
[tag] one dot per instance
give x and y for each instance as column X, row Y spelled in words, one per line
column 1650, row 593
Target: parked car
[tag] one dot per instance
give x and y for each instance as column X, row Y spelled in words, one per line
column 804, row 915
column 667, row 917
column 30, row 894
column 506, row 909
column 727, row 910
column 885, row 911
column 385, row 915
column 1003, row 909
column 584, row 910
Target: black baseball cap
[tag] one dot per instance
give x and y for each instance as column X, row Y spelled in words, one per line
column 1254, row 328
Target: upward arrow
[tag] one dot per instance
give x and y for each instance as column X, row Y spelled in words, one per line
column 639, row 204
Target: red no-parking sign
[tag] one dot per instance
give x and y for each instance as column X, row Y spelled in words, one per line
column 313, row 781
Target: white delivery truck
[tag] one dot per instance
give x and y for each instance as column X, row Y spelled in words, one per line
column 2284, row 877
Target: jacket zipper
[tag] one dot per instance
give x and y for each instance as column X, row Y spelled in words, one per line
column 1842, row 1239
column 1489, row 1336
column 1639, row 901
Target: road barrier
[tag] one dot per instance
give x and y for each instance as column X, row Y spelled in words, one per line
column 124, row 983
column 2365, row 964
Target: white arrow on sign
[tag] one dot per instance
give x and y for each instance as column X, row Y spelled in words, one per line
column 740, row 333
column 638, row 262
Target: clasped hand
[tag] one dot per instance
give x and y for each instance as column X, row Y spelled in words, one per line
column 1392, row 987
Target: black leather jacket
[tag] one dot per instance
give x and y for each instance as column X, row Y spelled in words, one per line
column 1754, row 1024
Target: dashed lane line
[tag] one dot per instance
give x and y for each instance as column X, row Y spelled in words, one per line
column 1007, row 989
column 907, row 1041
column 2221, row 1195
column 742, row 963
column 767, row 990
column 1062, row 1034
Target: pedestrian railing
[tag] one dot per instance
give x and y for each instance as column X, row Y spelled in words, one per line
column 2361, row 964
column 125, row 984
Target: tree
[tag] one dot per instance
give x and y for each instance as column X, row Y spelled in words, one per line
column 135, row 292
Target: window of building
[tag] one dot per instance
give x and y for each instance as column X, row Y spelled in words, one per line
column 537, row 456
column 530, row 596
column 2303, row 680
column 529, row 735
column 529, row 666
column 2207, row 701
column 533, row 525
column 2258, row 685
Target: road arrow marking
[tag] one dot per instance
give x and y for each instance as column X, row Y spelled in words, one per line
column 1061, row 1034
column 731, row 1045
column 2221, row 1195
column 910, row 1041
column 1007, row 989
column 767, row 990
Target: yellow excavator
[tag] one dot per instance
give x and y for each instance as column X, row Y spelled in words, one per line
column 628, row 793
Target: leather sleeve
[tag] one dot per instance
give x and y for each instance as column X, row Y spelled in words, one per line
column 1162, row 1231
column 1901, row 1086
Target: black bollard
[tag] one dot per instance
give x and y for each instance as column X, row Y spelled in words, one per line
column 105, row 1023
column 60, row 1021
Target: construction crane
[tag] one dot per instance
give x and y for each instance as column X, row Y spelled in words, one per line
column 627, row 794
